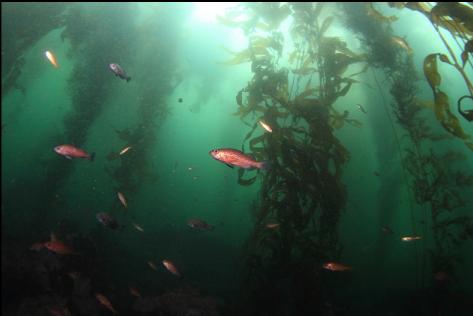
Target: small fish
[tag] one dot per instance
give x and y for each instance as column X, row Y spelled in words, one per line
column 234, row 157
column 272, row 225
column 152, row 265
column 410, row 238
column 199, row 224
column 59, row 247
column 122, row 199
column 107, row 220
column 362, row 109
column 179, row 100
column 333, row 266
column 266, row 126
column 52, row 59
column 402, row 43
column 134, row 292
column 119, row 72
column 138, row 227
column 171, row 267
column 58, row 311
column 105, row 302
column 442, row 276
column 74, row 275
column 376, row 173
column 70, row 151
column 386, row 230
column 37, row 246
column 124, row 150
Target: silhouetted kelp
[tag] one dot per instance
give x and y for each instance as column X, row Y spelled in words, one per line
column 302, row 191
column 22, row 26
column 434, row 183
column 90, row 79
column 160, row 31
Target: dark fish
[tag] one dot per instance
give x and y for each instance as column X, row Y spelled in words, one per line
column 386, row 230
column 107, row 220
column 119, row 72
column 199, row 224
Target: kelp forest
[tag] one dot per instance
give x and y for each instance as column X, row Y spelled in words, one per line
column 347, row 127
column 304, row 191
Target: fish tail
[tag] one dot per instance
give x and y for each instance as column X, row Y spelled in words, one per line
column 92, row 156
column 128, row 79
column 265, row 165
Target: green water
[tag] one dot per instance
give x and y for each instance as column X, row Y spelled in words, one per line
column 173, row 52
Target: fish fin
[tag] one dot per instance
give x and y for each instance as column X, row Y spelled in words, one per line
column 92, row 156
column 128, row 79
column 68, row 157
column 229, row 165
column 265, row 165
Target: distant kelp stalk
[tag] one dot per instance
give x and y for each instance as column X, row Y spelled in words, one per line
column 436, row 188
column 156, row 80
column 302, row 191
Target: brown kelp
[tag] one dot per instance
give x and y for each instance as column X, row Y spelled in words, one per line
column 454, row 18
column 437, row 188
column 302, row 191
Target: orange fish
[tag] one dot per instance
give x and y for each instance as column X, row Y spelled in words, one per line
column 59, row 247
column 272, row 225
column 105, row 302
column 138, row 227
column 52, row 59
column 266, row 126
column 70, row 151
column 234, row 157
column 171, row 267
column 122, row 199
column 124, row 150
column 134, row 292
column 152, row 265
column 333, row 266
column 410, row 238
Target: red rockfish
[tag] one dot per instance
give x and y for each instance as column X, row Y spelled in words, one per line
column 234, row 157
column 333, row 266
column 69, row 151
column 59, row 247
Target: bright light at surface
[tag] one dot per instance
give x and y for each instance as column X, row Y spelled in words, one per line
column 208, row 11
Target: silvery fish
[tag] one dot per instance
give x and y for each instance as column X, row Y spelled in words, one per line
column 119, row 72
column 107, row 220
column 199, row 224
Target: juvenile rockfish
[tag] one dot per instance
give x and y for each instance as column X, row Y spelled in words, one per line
column 234, row 157
column 70, row 151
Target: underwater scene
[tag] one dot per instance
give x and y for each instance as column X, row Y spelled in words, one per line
column 267, row 159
